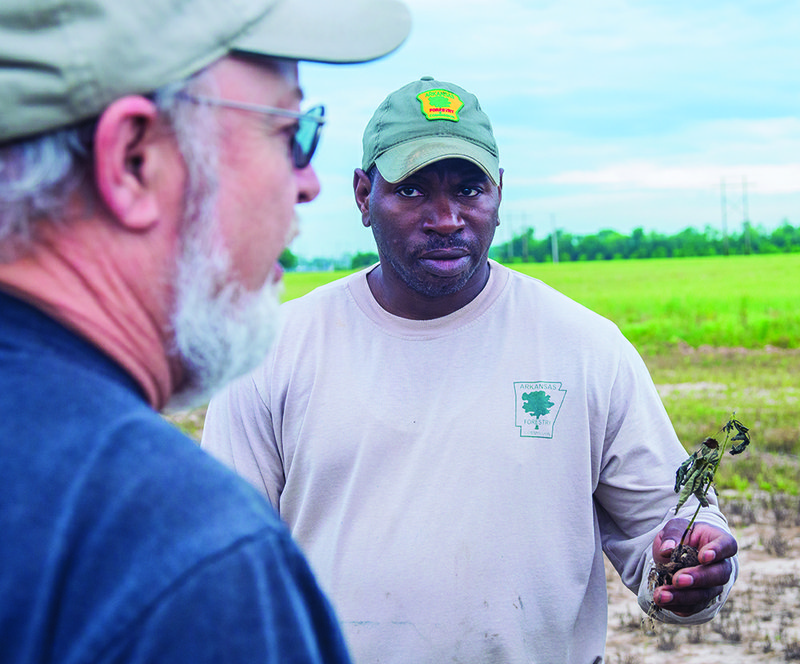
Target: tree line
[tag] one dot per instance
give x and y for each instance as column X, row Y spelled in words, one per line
column 606, row 245
column 612, row 245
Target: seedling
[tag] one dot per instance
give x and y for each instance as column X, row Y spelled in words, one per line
column 696, row 474
column 695, row 477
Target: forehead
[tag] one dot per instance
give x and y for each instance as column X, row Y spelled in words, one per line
column 457, row 169
column 258, row 78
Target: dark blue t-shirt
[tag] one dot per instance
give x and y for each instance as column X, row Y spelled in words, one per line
column 121, row 540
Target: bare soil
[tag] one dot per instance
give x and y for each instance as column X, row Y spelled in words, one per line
column 682, row 556
column 761, row 620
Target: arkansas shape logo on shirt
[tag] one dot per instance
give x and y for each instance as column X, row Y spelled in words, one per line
column 537, row 407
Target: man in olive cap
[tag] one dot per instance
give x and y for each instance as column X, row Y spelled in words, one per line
column 454, row 444
column 151, row 155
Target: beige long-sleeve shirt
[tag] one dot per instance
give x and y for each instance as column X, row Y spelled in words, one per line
column 454, row 482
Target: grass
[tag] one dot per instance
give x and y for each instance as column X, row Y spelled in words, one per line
column 742, row 301
column 701, row 388
column 299, row 283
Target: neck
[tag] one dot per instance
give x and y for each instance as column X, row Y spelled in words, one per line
column 90, row 295
column 396, row 297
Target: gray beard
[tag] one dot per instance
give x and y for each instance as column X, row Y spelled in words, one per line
column 221, row 330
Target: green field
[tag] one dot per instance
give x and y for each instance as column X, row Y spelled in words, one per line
column 719, row 334
column 733, row 301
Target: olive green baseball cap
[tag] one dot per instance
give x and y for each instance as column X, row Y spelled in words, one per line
column 427, row 121
column 63, row 61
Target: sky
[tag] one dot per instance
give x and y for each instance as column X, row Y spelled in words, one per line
column 609, row 114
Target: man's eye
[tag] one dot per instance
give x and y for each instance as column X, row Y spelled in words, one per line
column 284, row 129
column 286, row 135
column 409, row 192
column 469, row 191
column 291, row 131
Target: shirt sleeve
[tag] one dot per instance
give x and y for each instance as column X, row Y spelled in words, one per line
column 635, row 494
column 256, row 602
column 238, row 430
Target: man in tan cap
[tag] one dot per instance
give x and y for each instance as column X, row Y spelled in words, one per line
column 151, row 154
column 454, row 444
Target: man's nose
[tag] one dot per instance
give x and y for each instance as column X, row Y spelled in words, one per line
column 443, row 216
column 308, row 184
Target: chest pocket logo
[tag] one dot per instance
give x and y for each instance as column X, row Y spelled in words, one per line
column 537, row 406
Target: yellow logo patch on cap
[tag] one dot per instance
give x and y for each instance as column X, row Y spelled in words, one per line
column 440, row 104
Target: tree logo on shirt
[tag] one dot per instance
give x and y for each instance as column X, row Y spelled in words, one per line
column 537, row 406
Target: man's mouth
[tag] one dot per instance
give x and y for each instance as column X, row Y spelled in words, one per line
column 447, row 262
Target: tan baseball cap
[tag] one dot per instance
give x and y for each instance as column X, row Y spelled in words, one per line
column 427, row 121
column 63, row 61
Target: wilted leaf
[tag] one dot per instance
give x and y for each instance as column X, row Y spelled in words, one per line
column 683, row 471
column 738, row 449
column 697, row 472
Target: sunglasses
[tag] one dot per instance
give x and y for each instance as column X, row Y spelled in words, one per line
column 307, row 132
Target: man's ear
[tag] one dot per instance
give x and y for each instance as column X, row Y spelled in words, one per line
column 500, row 192
column 123, row 151
column 361, row 189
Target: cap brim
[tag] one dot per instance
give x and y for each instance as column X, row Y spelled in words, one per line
column 399, row 162
column 328, row 30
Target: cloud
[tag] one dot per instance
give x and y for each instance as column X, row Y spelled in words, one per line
column 769, row 179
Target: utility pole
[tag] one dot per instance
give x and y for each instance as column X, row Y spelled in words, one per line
column 510, row 239
column 524, row 237
column 745, row 216
column 724, row 218
column 733, row 203
column 553, row 238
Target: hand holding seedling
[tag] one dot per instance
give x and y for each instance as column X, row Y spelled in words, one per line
column 691, row 589
column 693, row 559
